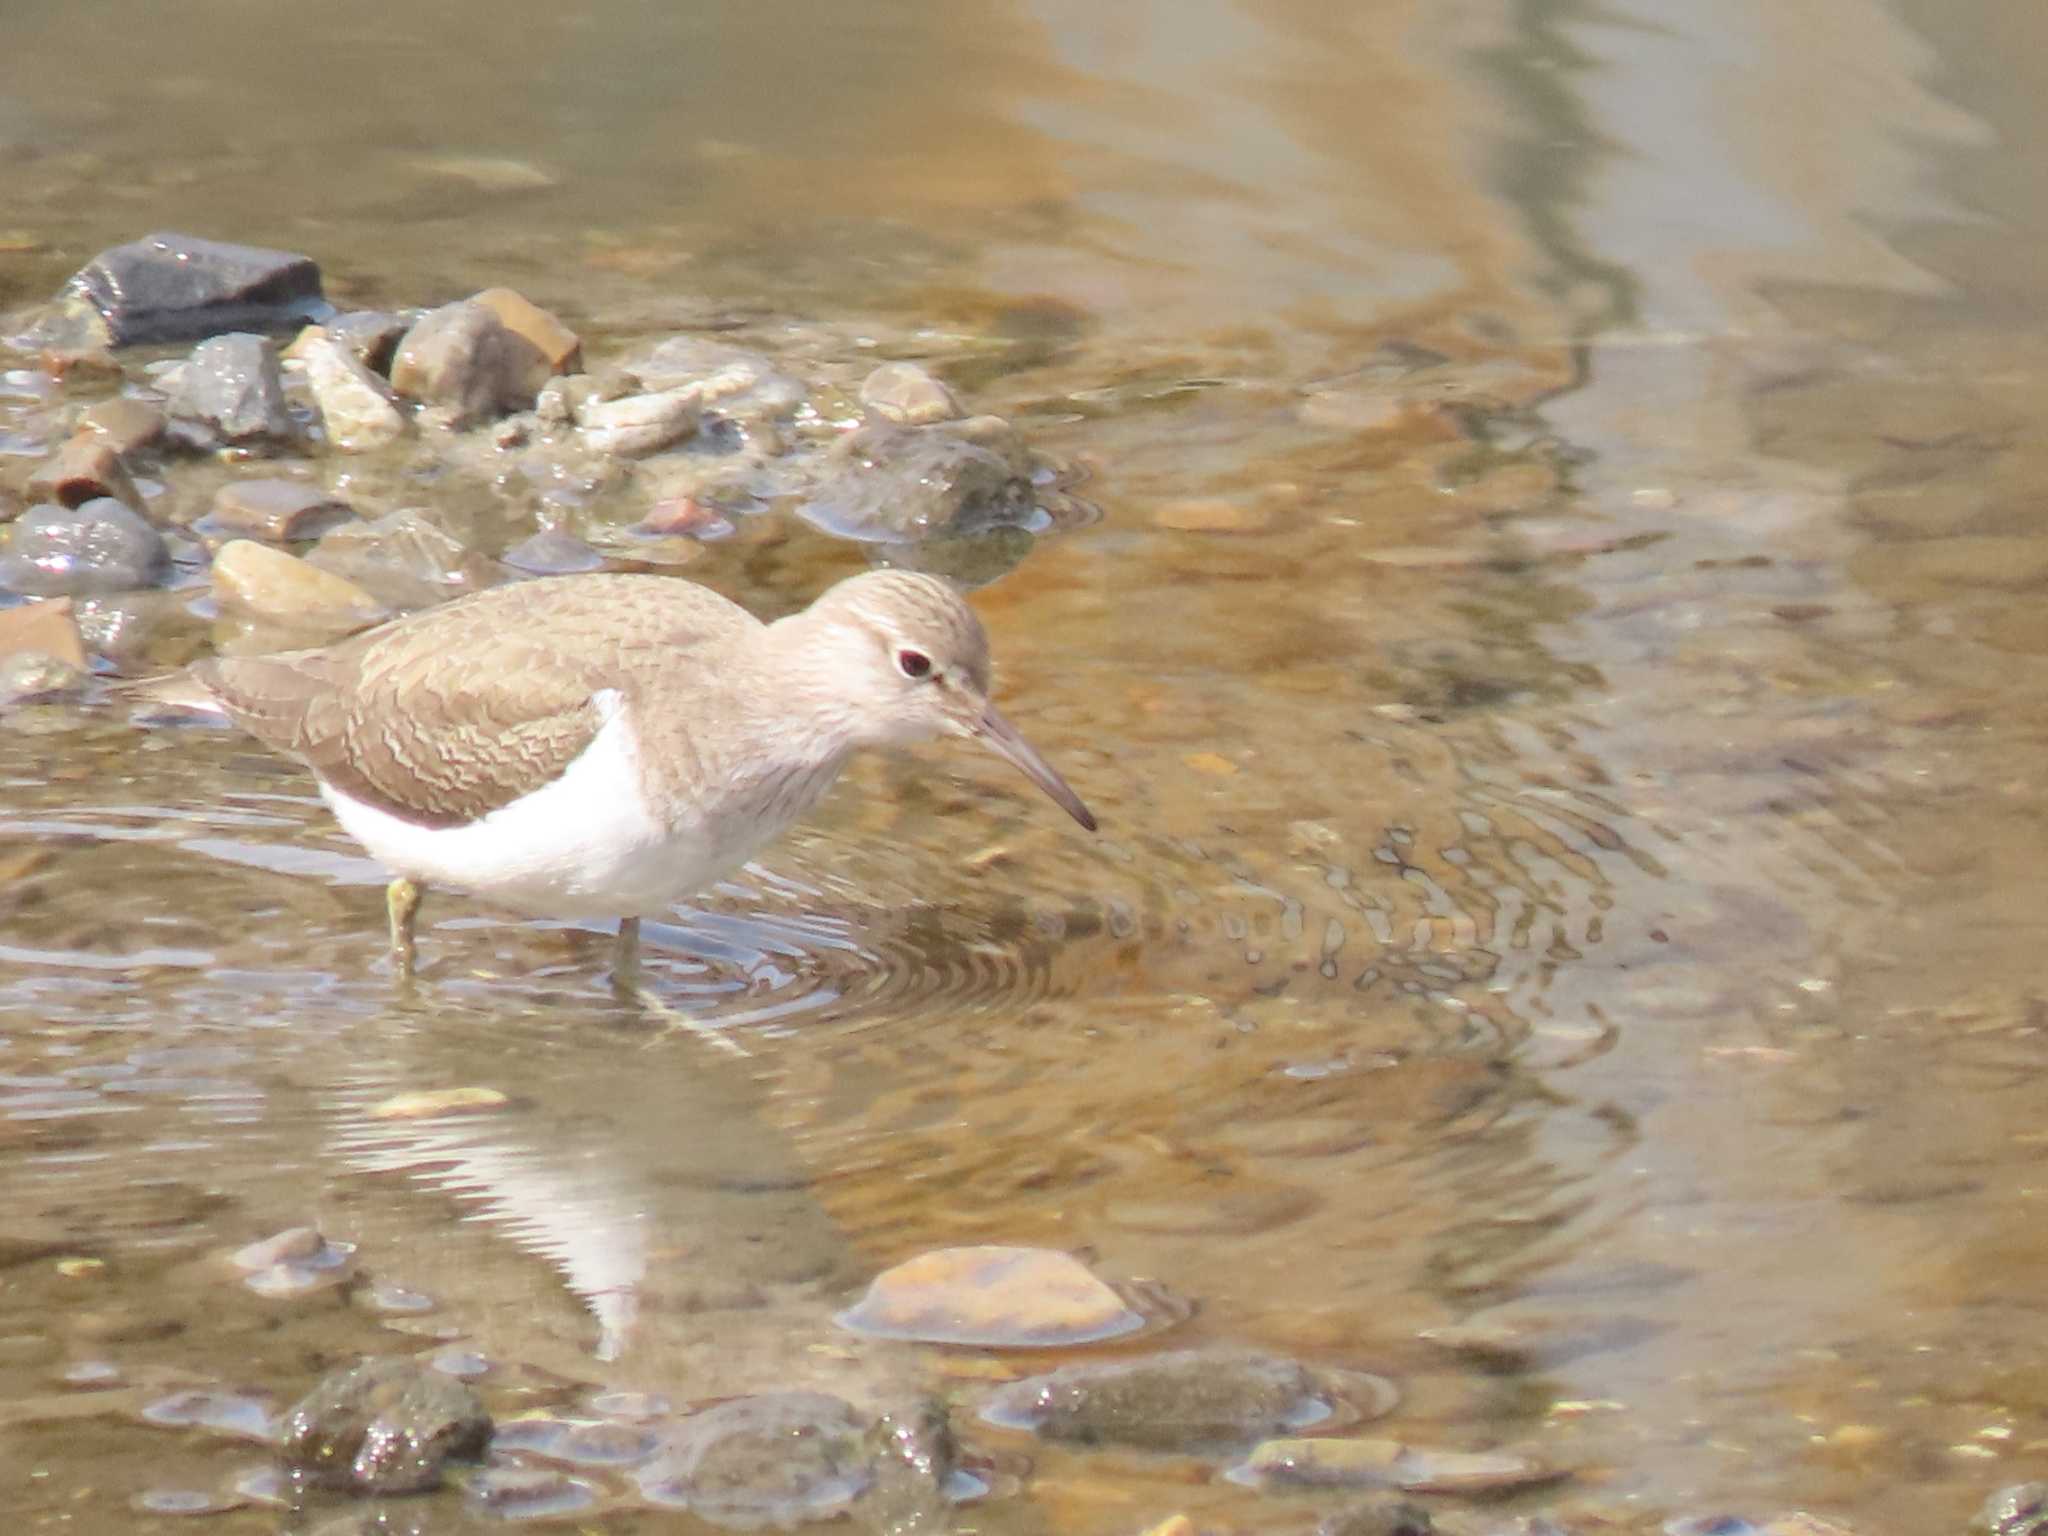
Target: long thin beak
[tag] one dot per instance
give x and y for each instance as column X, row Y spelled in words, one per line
column 1002, row 739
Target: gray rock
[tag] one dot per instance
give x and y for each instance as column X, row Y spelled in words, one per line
column 906, row 393
column 100, row 546
column 1185, row 1400
column 2020, row 1510
column 461, row 359
column 891, row 483
column 230, row 391
column 384, row 1426
column 551, row 552
column 173, row 287
column 781, row 1459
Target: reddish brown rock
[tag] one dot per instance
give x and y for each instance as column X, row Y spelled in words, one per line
column 86, row 468
column 559, row 349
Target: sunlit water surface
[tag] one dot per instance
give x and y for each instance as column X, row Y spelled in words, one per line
column 1571, row 851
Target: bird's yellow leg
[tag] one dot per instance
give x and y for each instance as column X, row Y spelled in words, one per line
column 626, row 961
column 402, row 901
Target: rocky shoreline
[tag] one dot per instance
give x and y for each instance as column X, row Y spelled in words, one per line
column 302, row 471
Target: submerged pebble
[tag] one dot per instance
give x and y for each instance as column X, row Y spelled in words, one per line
column 394, row 1300
column 552, row 552
column 265, row 1485
column 527, row 1493
column 1343, row 1463
column 101, row 546
column 292, row 1263
column 184, row 1501
column 907, row 393
column 2019, row 1510
column 777, row 1460
column 685, row 517
column 384, row 1426
column 1188, row 1400
column 240, row 1414
column 894, row 483
column 992, row 1296
column 582, row 1443
column 462, row 1364
column 631, row 1405
column 289, row 1246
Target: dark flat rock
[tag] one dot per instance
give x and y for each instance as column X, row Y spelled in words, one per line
column 177, row 287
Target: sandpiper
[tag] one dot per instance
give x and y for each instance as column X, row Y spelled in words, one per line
column 601, row 746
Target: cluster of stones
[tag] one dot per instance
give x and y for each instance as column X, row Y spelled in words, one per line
column 491, row 390
column 782, row 1458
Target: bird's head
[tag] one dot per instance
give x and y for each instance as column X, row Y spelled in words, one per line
column 911, row 661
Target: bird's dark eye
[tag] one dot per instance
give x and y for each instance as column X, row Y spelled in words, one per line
column 914, row 663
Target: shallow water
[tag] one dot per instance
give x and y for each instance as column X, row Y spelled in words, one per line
column 1571, row 834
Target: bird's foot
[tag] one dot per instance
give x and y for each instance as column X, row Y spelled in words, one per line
column 673, row 1021
column 634, row 993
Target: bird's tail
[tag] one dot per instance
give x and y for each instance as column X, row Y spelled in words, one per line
column 169, row 693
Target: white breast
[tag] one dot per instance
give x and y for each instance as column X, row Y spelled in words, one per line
column 587, row 844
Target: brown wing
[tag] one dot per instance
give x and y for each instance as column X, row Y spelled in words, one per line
column 445, row 716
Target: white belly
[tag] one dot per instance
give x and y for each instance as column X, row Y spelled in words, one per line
column 585, row 845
